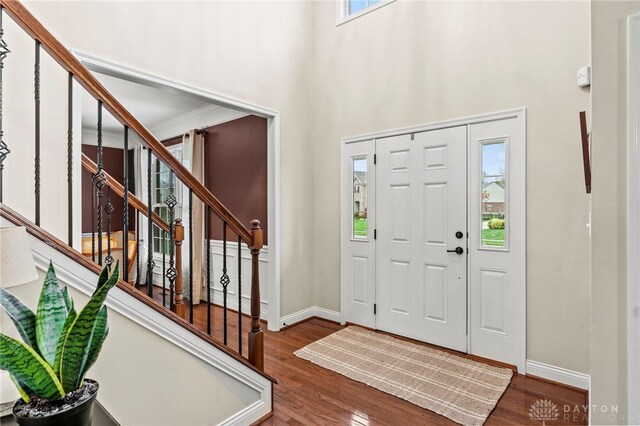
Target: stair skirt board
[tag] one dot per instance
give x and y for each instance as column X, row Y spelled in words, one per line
column 80, row 279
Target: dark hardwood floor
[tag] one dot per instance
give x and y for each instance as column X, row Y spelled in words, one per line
column 307, row 394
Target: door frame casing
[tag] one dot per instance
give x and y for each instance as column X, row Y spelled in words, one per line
column 633, row 212
column 517, row 113
column 273, row 158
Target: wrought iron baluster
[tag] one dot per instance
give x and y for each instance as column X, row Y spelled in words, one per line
column 108, row 209
column 70, row 157
column 4, row 149
column 164, row 262
column 93, row 218
column 171, row 203
column 36, row 92
column 150, row 263
column 138, row 241
column 125, row 209
column 208, row 233
column 190, row 256
column 224, row 279
column 99, row 181
column 240, row 295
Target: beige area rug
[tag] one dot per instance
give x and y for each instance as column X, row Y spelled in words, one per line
column 463, row 390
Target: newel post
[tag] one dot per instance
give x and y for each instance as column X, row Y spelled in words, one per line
column 178, row 303
column 256, row 337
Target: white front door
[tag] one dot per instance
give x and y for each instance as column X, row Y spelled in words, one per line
column 421, row 281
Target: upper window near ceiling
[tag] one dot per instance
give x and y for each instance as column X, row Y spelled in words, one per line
column 351, row 9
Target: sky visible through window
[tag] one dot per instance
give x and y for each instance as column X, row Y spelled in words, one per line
column 493, row 161
column 356, row 6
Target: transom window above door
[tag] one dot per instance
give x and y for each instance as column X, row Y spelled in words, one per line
column 350, row 9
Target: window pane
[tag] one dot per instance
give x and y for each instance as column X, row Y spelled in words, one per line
column 493, row 195
column 360, row 198
column 356, row 6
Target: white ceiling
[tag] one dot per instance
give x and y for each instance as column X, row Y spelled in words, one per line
column 152, row 106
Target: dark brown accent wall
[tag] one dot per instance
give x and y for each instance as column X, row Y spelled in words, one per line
column 235, row 170
column 113, row 165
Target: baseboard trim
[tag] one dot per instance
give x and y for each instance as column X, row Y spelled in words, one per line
column 305, row 314
column 250, row 415
column 558, row 374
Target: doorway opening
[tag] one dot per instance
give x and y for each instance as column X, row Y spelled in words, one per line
column 229, row 132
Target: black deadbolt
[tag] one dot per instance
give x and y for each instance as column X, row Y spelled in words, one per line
column 459, row 234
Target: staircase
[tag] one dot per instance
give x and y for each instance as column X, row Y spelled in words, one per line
column 168, row 298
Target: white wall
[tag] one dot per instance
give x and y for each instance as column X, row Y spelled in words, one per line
column 609, row 154
column 19, row 128
column 417, row 62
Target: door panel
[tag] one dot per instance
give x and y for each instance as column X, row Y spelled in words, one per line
column 421, row 188
column 435, row 296
column 435, row 209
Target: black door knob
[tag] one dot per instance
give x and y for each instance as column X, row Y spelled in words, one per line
column 458, row 250
column 459, row 235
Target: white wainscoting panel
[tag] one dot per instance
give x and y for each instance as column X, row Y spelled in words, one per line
column 217, row 295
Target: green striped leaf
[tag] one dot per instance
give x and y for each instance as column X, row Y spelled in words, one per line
column 51, row 315
column 70, row 319
column 102, row 279
column 77, row 344
column 29, row 368
column 100, row 332
column 23, row 318
column 68, row 301
column 23, row 390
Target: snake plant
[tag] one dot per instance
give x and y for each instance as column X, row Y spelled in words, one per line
column 59, row 345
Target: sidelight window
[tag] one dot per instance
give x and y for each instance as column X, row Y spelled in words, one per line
column 494, row 194
column 360, row 224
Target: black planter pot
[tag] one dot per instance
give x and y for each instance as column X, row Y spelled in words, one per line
column 78, row 415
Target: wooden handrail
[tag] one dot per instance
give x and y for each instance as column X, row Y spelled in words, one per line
column 134, row 201
column 21, row 15
column 62, row 247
